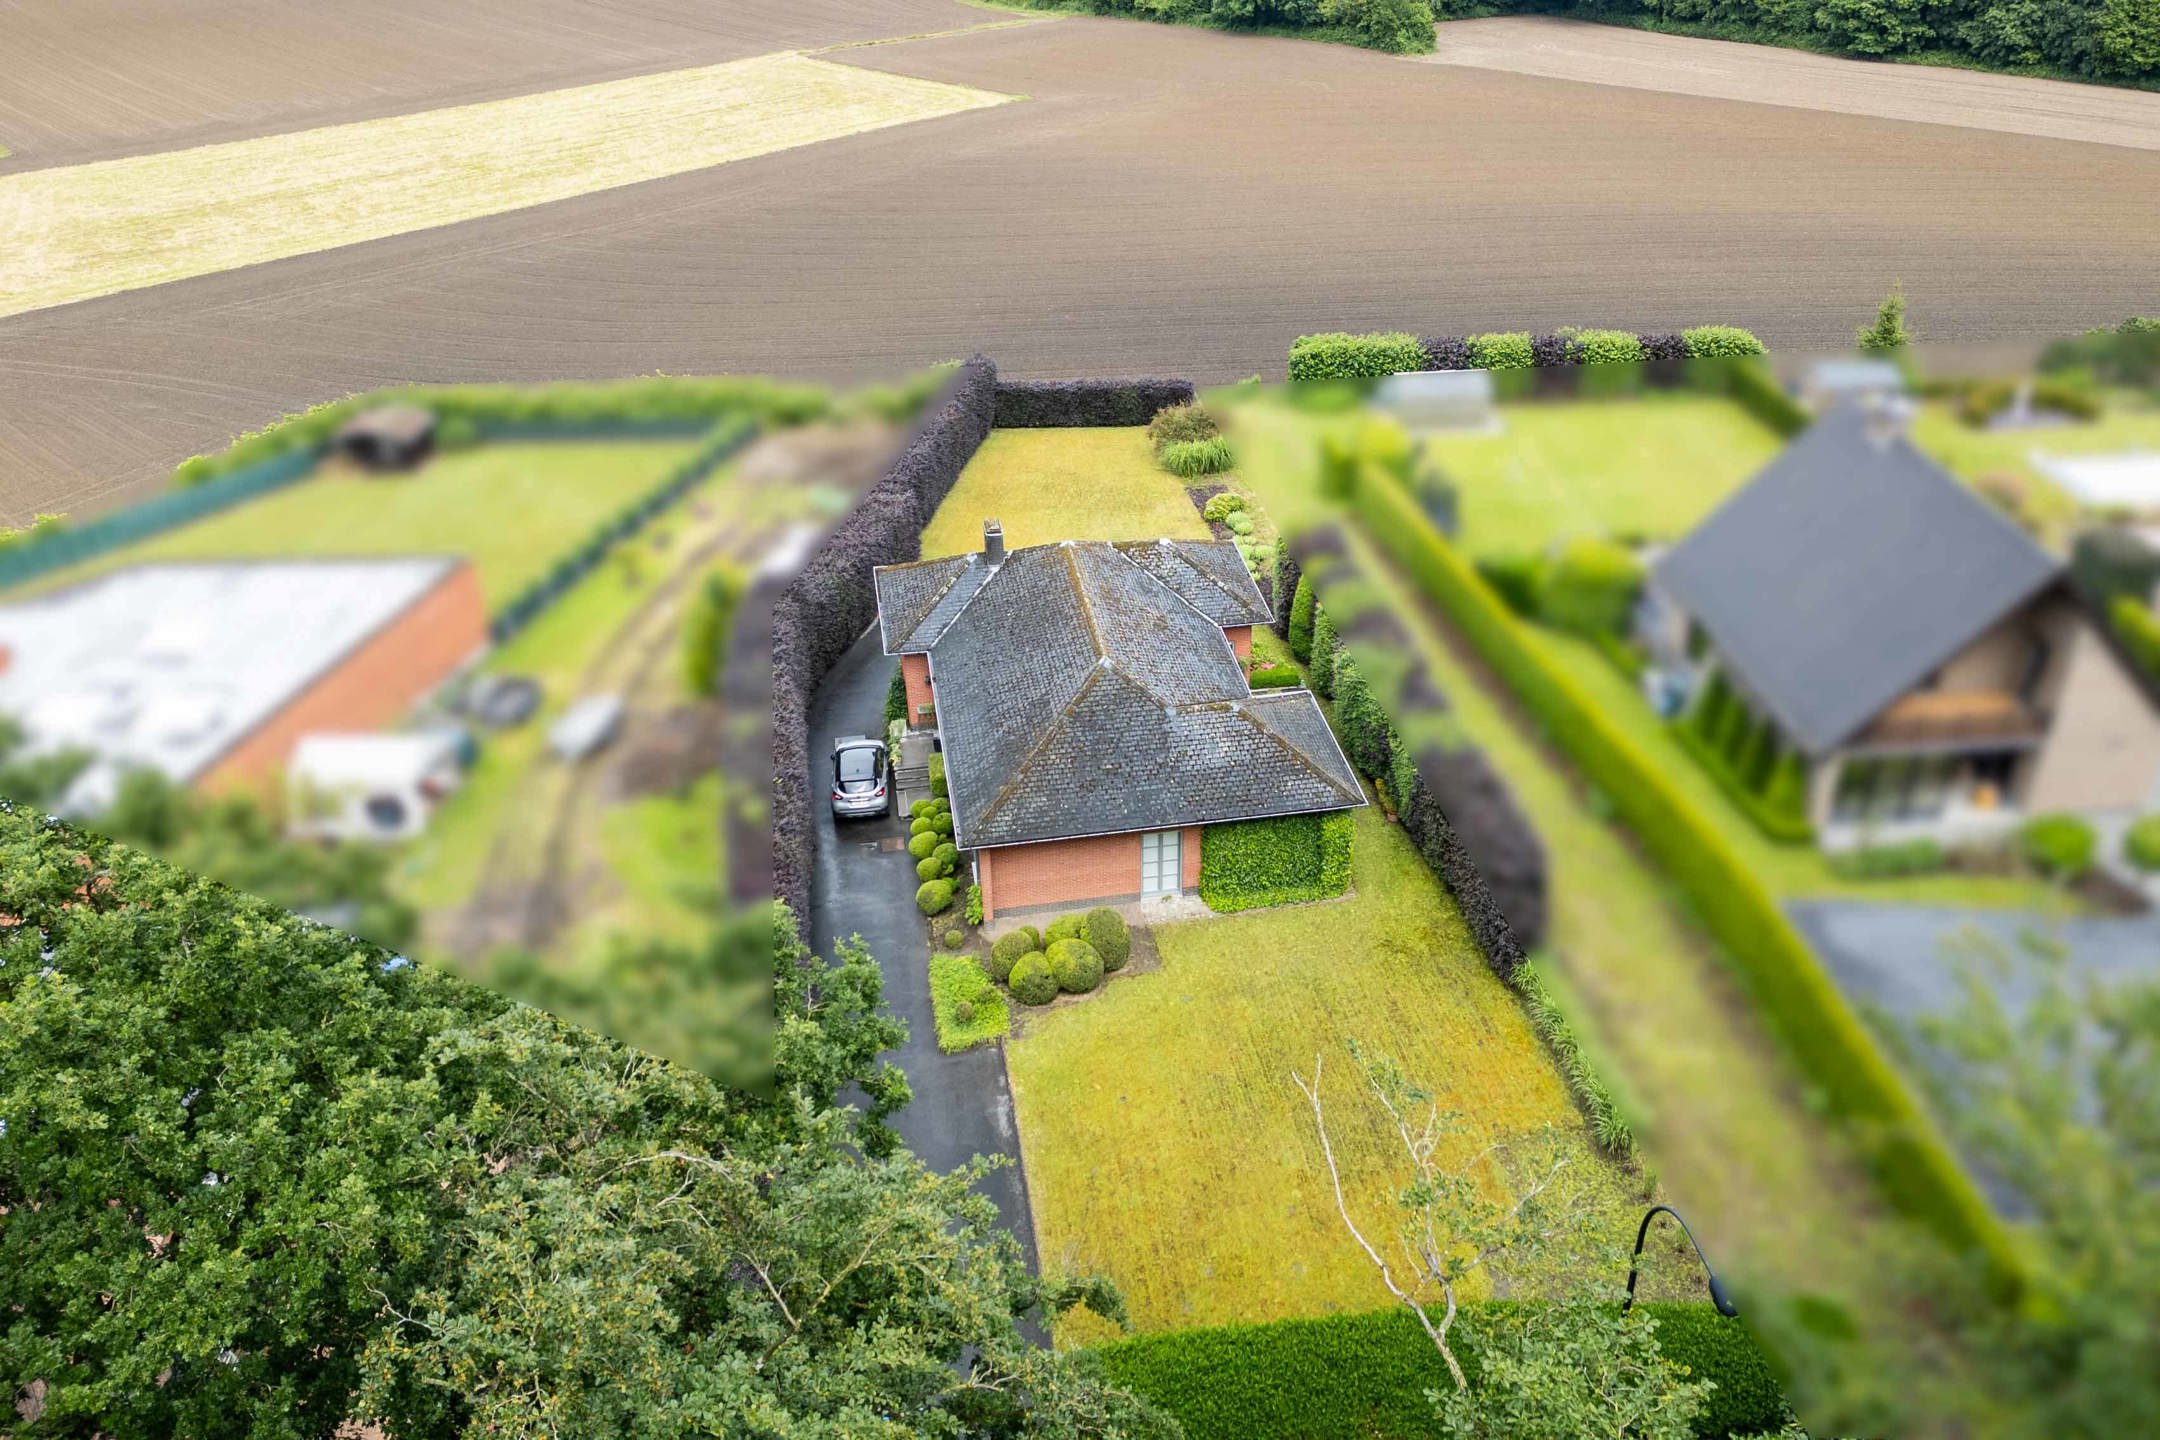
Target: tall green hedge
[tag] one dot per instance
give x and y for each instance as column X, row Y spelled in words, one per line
column 1790, row 985
column 1284, row 860
column 1364, row 1377
column 1337, row 356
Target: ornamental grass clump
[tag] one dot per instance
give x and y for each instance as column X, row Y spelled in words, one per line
column 1189, row 458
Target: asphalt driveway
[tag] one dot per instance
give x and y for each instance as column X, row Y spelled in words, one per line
column 861, row 885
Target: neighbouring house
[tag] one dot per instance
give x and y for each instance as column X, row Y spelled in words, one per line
column 1849, row 380
column 387, row 438
column 371, row 786
column 1093, row 712
column 1932, row 665
column 211, row 673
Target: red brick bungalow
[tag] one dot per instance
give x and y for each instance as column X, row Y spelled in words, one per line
column 1093, row 713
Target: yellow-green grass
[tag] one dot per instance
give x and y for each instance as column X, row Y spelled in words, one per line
column 2131, row 421
column 1167, row 1147
column 1653, row 464
column 1077, row 484
column 663, row 855
column 513, row 510
column 86, row 230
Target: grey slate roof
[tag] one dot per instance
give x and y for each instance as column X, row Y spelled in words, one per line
column 1087, row 689
column 1845, row 572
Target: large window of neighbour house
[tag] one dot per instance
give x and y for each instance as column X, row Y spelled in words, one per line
column 1897, row 787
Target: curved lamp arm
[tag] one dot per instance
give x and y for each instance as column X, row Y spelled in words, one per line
column 1718, row 1297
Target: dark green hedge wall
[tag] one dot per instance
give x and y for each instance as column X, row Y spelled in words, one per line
column 1250, row 863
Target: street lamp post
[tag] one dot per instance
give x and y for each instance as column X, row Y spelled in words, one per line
column 1718, row 1297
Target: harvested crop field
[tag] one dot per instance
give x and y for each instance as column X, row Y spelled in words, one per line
column 1167, row 200
column 85, row 230
column 92, row 79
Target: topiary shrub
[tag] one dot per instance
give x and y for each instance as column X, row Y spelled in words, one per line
column 1223, row 506
column 1503, row 350
column 931, row 868
column 1176, row 424
column 954, row 939
column 919, row 809
column 922, row 825
column 1609, row 347
column 1240, row 523
column 1325, row 645
column 1031, row 981
column 1189, row 458
column 1710, row 342
column 2060, row 846
column 938, row 788
column 1075, row 966
column 923, row 844
column 2141, row 844
column 1301, row 619
column 1274, row 675
column 964, row 1011
column 1065, row 927
column 948, row 854
column 1339, row 356
column 941, row 823
column 1107, row 931
column 1006, row 951
column 934, row 897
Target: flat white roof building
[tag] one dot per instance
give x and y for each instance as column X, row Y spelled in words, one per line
column 178, row 666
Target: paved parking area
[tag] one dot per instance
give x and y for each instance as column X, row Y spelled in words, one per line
column 864, row 885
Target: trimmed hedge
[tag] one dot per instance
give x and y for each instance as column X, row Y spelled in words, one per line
column 2062, row 847
column 1776, row 823
column 1285, row 860
column 1006, row 950
column 1032, row 982
column 1107, row 931
column 1075, row 965
column 1340, row 356
column 1060, row 404
column 1794, row 992
column 1878, row 862
column 1274, row 675
column 2141, row 844
column 831, row 603
column 1364, row 1377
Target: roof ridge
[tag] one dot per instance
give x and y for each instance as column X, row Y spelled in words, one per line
column 931, row 608
column 1203, row 574
column 1161, row 584
column 1251, row 717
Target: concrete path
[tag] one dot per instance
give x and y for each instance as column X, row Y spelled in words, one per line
column 963, row 1105
column 1558, row 49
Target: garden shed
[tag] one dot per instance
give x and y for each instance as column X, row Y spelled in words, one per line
column 388, row 438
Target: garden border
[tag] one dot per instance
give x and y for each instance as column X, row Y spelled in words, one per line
column 1062, row 404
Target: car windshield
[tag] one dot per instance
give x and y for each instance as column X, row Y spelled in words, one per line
column 857, row 767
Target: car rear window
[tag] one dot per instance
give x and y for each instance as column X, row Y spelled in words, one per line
column 858, row 764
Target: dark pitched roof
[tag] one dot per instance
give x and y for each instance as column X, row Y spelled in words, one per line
column 1844, row 572
column 1080, row 692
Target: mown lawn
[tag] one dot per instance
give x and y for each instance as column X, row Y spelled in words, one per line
column 1653, row 464
column 1049, row 485
column 2130, row 422
column 513, row 510
column 1167, row 1148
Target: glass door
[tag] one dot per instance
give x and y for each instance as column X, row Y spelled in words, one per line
column 1160, row 862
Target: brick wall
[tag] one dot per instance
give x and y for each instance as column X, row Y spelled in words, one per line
column 369, row 689
column 1104, row 868
column 1240, row 640
column 915, row 670
column 1189, row 858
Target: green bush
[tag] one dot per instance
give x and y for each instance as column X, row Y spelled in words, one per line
column 1274, row 675
column 1368, row 737
column 2141, row 844
column 947, row 855
column 1075, row 966
column 1176, row 424
column 1608, row 347
column 1783, row 821
column 2139, row 629
column 1006, row 950
column 1502, row 350
column 1517, row 578
column 1188, row 459
column 1223, row 506
column 1789, row 983
column 1720, row 342
column 954, row 939
column 1337, row 356
column 1031, row 981
column 1301, row 619
column 941, row 822
column 1240, row 523
column 923, row 843
column 896, row 700
column 1589, row 586
column 1326, row 645
column 1065, row 927
column 966, row 1008
column 1107, row 931
column 1364, row 1377
column 917, row 811
column 938, row 788
column 2060, row 846
column 934, row 897
column 1285, row 860
column 930, row 867
column 1881, row 862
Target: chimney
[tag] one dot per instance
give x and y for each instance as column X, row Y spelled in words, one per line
column 993, row 542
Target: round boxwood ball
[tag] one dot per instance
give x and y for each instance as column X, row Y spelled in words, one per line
column 1007, row 949
column 948, row 854
column 938, row 788
column 964, row 1013
column 930, row 868
column 2141, row 844
column 921, row 825
column 954, row 939
column 919, row 809
column 935, row 897
column 942, row 824
column 1076, row 966
column 1032, row 983
column 1065, row 927
column 922, row 845
column 1107, row 931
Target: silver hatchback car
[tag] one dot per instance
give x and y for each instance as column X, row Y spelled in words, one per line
column 862, row 780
